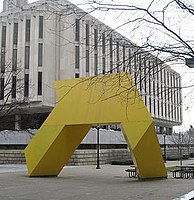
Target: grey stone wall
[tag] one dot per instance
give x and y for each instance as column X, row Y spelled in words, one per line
column 12, row 157
column 88, row 157
column 174, row 152
column 80, row 157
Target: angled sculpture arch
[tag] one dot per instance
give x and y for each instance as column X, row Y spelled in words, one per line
column 105, row 99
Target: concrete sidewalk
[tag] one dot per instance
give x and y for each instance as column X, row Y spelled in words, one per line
column 87, row 183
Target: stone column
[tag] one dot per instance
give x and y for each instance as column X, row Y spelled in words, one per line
column 17, row 122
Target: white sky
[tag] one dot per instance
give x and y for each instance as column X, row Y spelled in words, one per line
column 187, row 79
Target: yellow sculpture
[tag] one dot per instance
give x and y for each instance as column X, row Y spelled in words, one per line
column 104, row 99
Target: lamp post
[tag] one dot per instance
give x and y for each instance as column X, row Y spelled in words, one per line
column 180, row 148
column 98, row 147
column 164, row 136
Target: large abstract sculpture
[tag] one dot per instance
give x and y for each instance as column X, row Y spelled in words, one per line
column 104, row 99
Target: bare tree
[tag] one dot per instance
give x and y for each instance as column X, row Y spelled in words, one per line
column 145, row 60
column 166, row 24
column 11, row 93
column 184, row 141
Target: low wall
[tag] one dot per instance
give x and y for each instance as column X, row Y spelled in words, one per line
column 175, row 152
column 12, row 157
column 80, row 157
column 88, row 156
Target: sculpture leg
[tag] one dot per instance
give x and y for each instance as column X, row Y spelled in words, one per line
column 51, row 148
column 144, row 145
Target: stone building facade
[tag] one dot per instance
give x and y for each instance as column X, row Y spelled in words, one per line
column 54, row 40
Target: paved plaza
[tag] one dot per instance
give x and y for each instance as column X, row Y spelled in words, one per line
column 87, row 183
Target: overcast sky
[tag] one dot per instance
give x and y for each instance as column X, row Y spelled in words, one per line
column 186, row 73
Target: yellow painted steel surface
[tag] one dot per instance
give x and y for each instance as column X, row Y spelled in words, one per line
column 104, row 99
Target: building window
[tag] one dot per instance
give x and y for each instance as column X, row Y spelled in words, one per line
column 77, row 30
column 146, row 100
column 87, row 34
column 77, row 55
column 76, row 75
column 162, row 108
column 14, row 87
column 168, row 93
column 145, row 79
column 124, row 59
column 87, row 60
column 111, row 55
column 95, row 64
column 27, row 57
column 28, row 24
column 171, row 96
column 2, row 61
column 3, row 50
column 103, row 53
column 14, row 60
column 40, row 54
column 161, row 75
column 135, row 68
column 178, row 98
column 150, row 83
column 154, row 106
column 150, row 104
column 129, row 61
column 175, row 102
column 165, row 94
column 15, row 34
column 158, row 96
column 3, row 38
column 103, row 44
column 154, row 88
column 95, row 39
column 140, row 73
column 2, row 86
column 40, row 27
column 26, row 85
column 158, row 87
column 118, row 64
column 111, row 66
column 161, row 91
column 103, row 65
column 39, row 83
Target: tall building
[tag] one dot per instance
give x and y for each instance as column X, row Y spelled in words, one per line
column 54, row 40
column 12, row 4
